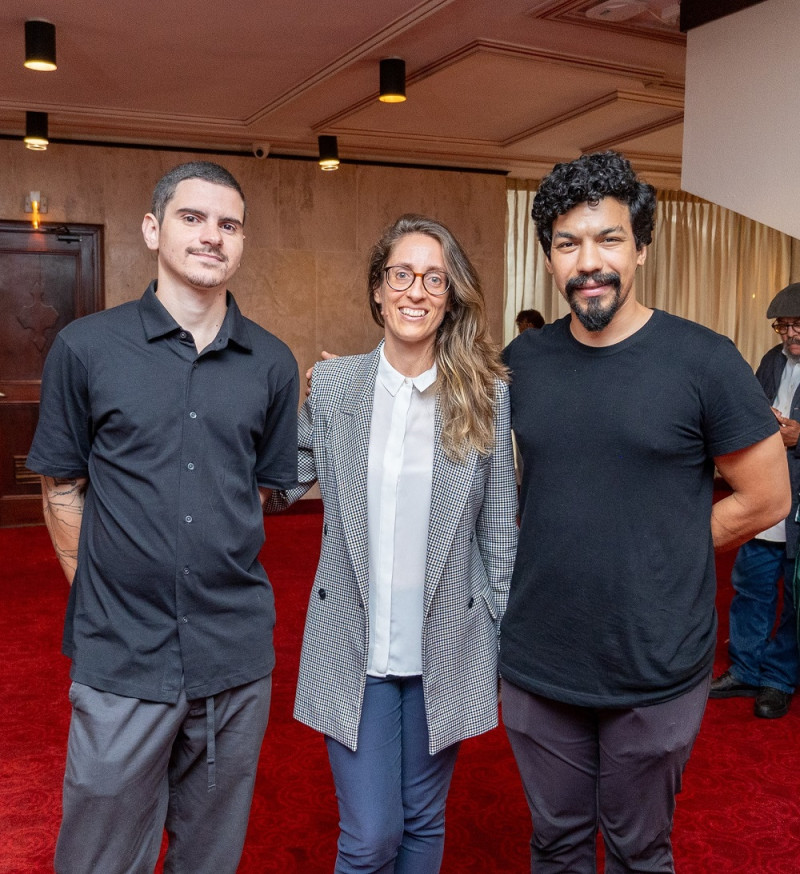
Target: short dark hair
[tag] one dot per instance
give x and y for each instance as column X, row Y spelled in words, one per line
column 591, row 178
column 533, row 317
column 205, row 170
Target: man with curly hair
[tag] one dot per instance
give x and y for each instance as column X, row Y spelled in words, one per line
column 621, row 413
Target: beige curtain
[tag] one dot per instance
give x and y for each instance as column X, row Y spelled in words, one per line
column 528, row 284
column 706, row 263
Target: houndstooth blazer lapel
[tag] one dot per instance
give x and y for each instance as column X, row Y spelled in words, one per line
column 450, row 489
column 349, row 443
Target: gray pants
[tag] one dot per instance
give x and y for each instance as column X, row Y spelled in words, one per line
column 586, row 768
column 135, row 767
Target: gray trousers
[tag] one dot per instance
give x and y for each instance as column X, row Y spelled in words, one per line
column 616, row 770
column 135, row 767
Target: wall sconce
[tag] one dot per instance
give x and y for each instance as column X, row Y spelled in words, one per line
column 328, row 153
column 40, row 45
column 393, row 80
column 35, row 205
column 36, row 131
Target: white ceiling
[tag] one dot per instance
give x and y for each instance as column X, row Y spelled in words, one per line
column 509, row 85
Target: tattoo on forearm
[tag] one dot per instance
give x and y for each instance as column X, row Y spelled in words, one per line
column 63, row 513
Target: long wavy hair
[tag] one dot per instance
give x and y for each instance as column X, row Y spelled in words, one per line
column 467, row 361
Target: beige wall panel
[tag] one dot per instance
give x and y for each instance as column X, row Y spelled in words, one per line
column 308, row 232
column 385, row 193
column 317, row 209
column 344, row 320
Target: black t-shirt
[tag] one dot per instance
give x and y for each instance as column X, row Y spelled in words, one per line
column 612, row 598
column 169, row 590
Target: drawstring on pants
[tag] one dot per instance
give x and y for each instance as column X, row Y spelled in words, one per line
column 211, row 751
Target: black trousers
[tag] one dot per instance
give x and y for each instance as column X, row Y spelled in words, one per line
column 616, row 770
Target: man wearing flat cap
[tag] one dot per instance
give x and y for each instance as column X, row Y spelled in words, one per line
column 764, row 665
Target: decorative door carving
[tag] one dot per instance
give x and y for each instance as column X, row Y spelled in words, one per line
column 47, row 278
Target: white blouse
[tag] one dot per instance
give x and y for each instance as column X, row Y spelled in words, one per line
column 398, row 509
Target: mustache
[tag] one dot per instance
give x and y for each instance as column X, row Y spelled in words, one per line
column 207, row 250
column 577, row 282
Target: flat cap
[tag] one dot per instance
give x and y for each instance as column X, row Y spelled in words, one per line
column 786, row 303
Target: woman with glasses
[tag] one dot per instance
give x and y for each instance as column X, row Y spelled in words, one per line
column 411, row 447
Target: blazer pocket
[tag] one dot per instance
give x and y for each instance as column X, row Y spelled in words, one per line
column 488, row 599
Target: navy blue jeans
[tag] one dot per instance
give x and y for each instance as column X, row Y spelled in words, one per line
column 391, row 791
column 758, row 656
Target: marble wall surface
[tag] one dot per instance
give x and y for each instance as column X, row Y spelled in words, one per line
column 308, row 233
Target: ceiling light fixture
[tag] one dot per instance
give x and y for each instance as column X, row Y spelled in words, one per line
column 36, row 137
column 392, row 80
column 328, row 152
column 618, row 11
column 40, row 45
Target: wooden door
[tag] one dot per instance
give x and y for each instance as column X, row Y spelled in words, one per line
column 47, row 278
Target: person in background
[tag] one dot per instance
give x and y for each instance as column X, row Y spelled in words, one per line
column 411, row 447
column 529, row 319
column 764, row 664
column 164, row 424
column 621, row 413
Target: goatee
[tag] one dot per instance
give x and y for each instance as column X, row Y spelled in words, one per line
column 595, row 313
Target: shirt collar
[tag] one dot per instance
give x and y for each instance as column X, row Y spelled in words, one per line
column 158, row 322
column 392, row 379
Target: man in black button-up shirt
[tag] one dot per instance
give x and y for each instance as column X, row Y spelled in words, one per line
column 164, row 424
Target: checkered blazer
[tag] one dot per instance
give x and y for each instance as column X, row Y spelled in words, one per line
column 472, row 539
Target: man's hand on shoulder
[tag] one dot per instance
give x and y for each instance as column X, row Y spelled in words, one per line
column 325, row 356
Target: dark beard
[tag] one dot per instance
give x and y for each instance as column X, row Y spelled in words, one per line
column 595, row 314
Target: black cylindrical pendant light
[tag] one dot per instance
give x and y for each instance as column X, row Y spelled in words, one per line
column 392, row 80
column 40, row 45
column 328, row 152
column 36, row 137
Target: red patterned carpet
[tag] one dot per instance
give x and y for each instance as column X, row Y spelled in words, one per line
column 739, row 812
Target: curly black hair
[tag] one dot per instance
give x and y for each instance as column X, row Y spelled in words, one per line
column 591, row 178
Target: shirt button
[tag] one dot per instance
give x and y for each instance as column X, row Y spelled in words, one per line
column 182, row 335
column 190, row 466
column 322, row 593
column 193, row 415
column 186, row 570
column 188, row 518
column 184, row 618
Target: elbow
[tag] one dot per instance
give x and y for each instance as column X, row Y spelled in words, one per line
column 785, row 507
column 776, row 510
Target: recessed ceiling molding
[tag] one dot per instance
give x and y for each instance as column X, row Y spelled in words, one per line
column 408, row 137
column 672, row 86
column 645, row 75
column 411, row 19
column 650, row 162
column 574, row 12
column 648, row 76
column 81, row 112
column 563, row 118
column 644, row 130
column 650, row 98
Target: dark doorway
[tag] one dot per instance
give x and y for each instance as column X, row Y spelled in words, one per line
column 47, row 278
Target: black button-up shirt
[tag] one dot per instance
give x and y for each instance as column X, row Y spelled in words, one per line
column 169, row 589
